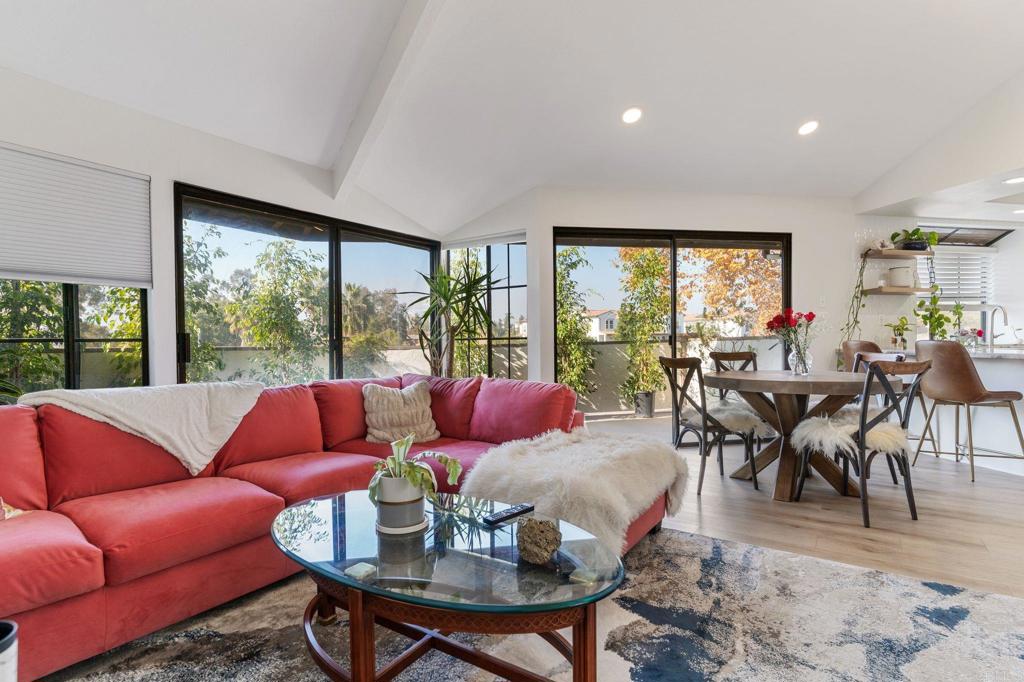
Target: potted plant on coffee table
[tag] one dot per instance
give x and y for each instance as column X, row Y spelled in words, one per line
column 400, row 483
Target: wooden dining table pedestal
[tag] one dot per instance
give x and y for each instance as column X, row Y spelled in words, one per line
column 789, row 404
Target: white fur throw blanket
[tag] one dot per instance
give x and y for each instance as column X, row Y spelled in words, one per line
column 601, row 483
column 190, row 421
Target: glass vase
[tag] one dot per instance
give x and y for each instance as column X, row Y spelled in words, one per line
column 800, row 362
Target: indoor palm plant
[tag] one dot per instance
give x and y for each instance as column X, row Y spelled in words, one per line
column 456, row 309
column 400, row 483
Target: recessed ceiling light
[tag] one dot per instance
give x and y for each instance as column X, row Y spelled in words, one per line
column 1014, row 181
column 807, row 128
column 1019, row 211
column 632, row 115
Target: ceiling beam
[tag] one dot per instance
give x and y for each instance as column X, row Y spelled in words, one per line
column 406, row 41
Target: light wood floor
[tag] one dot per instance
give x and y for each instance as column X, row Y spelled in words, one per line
column 967, row 534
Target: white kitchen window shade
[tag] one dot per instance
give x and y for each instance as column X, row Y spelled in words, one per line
column 964, row 274
column 64, row 220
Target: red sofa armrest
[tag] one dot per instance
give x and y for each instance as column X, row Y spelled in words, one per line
column 577, row 420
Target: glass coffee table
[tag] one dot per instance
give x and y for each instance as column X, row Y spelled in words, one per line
column 457, row 575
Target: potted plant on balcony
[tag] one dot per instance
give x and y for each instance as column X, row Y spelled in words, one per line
column 642, row 318
column 915, row 240
column 400, row 483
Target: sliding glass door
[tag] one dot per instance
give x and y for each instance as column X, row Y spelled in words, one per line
column 625, row 297
column 281, row 296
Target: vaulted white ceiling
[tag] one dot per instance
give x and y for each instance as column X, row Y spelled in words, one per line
column 500, row 96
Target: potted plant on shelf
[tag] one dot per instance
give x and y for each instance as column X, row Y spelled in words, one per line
column 400, row 483
column 915, row 240
column 899, row 330
column 794, row 330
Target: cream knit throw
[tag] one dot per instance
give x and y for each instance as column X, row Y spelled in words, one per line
column 394, row 413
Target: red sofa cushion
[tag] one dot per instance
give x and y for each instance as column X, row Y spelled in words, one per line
column 84, row 457
column 341, row 407
column 507, row 409
column 22, row 484
column 146, row 530
column 44, row 559
column 311, row 474
column 284, row 421
column 466, row 451
column 451, row 402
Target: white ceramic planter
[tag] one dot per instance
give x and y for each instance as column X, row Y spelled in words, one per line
column 8, row 651
column 901, row 276
column 399, row 507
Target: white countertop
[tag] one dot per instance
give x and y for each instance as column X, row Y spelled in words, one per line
column 983, row 353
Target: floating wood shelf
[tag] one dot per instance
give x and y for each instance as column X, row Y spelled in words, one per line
column 897, row 254
column 896, row 291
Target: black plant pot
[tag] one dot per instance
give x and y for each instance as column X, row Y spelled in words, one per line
column 8, row 650
column 921, row 245
column 643, row 403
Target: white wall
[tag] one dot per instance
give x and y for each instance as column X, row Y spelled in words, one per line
column 43, row 116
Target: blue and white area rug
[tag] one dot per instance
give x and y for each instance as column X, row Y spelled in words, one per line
column 692, row 608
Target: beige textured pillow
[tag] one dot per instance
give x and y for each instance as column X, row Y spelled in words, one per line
column 394, row 413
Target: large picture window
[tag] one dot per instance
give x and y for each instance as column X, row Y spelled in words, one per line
column 282, row 296
column 55, row 335
column 501, row 350
column 625, row 297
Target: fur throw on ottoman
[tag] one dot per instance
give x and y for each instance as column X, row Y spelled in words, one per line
column 601, row 483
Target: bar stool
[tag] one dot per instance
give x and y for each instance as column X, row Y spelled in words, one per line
column 954, row 381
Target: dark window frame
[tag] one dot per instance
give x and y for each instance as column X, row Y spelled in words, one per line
column 337, row 229
column 492, row 340
column 675, row 240
column 70, row 340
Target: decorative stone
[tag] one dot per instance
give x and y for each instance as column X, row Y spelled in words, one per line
column 537, row 540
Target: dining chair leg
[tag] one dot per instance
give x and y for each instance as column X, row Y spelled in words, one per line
column 907, row 485
column 721, row 455
column 846, row 476
column 864, row 490
column 928, row 431
column 801, row 474
column 927, row 425
column 1016, row 424
column 704, row 450
column 892, row 470
column 970, row 440
column 748, row 444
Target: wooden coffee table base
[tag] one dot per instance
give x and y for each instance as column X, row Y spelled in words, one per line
column 429, row 629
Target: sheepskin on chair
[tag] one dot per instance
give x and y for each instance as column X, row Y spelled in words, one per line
column 825, row 435
column 733, row 416
column 599, row 482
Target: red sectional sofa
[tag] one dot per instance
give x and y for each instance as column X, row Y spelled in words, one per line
column 122, row 541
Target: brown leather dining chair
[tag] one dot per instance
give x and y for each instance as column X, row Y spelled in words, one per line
column 954, row 381
column 852, row 347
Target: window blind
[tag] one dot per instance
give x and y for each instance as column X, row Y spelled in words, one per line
column 65, row 220
column 963, row 273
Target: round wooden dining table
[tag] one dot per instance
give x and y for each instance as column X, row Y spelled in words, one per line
column 787, row 407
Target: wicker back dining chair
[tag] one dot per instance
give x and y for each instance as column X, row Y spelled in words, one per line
column 873, row 434
column 710, row 426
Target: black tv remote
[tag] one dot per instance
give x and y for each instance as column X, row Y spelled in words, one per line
column 506, row 514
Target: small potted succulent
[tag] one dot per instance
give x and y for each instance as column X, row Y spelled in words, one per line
column 400, row 483
column 915, row 240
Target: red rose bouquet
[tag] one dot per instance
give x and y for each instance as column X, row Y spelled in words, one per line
column 794, row 330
